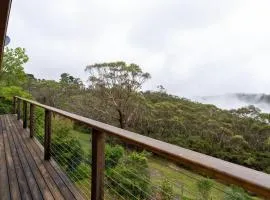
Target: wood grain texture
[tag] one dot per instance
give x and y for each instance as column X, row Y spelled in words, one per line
column 23, row 172
column 47, row 134
column 98, row 165
column 4, row 189
column 32, row 120
column 21, row 178
column 24, row 114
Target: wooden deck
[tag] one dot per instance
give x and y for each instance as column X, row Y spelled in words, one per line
column 23, row 172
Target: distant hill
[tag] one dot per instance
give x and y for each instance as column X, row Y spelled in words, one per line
column 238, row 100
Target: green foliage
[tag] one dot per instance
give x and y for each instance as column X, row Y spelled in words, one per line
column 204, row 188
column 235, row 193
column 83, row 171
column 133, row 175
column 67, row 79
column 207, row 129
column 10, row 91
column 47, row 92
column 12, row 77
column 65, row 148
column 167, row 192
column 12, row 72
column 114, row 96
column 5, row 106
column 6, row 97
column 117, row 74
column 116, row 88
column 112, row 155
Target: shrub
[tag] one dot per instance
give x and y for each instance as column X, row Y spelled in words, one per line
column 167, row 192
column 82, row 171
column 236, row 193
column 6, row 97
column 112, row 155
column 133, row 175
column 66, row 149
column 204, row 187
column 11, row 91
column 5, row 106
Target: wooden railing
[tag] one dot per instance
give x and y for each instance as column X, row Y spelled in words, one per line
column 251, row 180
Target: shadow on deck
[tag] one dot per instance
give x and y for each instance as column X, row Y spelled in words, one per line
column 24, row 174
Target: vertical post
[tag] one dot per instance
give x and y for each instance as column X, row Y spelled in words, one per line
column 98, row 165
column 14, row 105
column 48, row 131
column 24, row 114
column 32, row 120
column 19, row 109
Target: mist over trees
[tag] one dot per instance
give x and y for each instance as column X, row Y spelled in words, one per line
column 115, row 96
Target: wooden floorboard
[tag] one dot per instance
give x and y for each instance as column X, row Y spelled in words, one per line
column 36, row 193
column 23, row 172
column 68, row 190
column 13, row 182
column 22, row 181
column 4, row 182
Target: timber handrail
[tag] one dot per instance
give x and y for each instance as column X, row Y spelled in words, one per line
column 252, row 180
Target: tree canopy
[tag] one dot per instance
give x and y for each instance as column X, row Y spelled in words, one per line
column 117, row 85
column 12, row 72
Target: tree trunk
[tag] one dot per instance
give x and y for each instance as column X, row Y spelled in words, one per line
column 121, row 119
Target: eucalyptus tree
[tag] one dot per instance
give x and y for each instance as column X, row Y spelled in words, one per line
column 117, row 86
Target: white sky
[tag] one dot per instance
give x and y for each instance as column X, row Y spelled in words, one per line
column 191, row 47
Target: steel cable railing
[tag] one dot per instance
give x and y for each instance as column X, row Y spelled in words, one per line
column 136, row 186
column 68, row 152
column 195, row 179
column 127, row 172
column 38, row 125
column 85, row 185
column 156, row 187
column 74, row 177
column 121, row 186
column 177, row 185
column 109, row 189
column 64, row 163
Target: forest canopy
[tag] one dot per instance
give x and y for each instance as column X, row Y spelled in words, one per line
column 114, row 96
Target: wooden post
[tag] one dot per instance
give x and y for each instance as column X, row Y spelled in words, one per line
column 19, row 109
column 14, row 105
column 48, row 132
column 98, row 165
column 24, row 114
column 32, row 120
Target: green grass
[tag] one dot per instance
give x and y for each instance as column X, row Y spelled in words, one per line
column 84, row 139
column 184, row 181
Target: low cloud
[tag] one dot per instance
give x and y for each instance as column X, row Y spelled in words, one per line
column 190, row 47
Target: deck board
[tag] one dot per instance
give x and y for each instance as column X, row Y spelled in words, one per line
column 23, row 172
column 4, row 189
column 22, row 181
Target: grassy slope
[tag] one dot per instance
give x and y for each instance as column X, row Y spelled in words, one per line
column 184, row 180
column 84, row 140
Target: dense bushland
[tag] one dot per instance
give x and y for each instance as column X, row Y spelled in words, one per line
column 114, row 96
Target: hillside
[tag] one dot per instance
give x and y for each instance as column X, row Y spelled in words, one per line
column 114, row 96
column 241, row 136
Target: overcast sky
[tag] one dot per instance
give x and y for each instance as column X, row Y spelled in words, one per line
column 191, row 47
